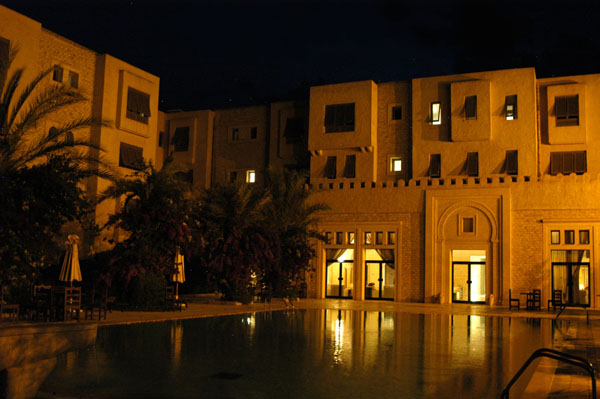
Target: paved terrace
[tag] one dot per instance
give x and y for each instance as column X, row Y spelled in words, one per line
column 551, row 380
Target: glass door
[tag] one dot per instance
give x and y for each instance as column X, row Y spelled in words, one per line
column 571, row 275
column 468, row 282
column 339, row 279
column 379, row 280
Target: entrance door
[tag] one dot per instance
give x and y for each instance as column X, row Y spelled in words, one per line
column 468, row 282
column 339, row 279
column 572, row 279
column 379, row 280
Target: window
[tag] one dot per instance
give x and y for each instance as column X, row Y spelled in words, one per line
column 368, row 237
column 396, row 164
column 569, row 236
column 566, row 110
column 138, row 105
column 330, row 168
column 235, row 134
column 4, row 50
column 510, row 107
column 555, row 237
column 131, row 157
column 435, row 165
column 52, row 132
column 435, row 115
column 351, row 237
column 186, row 177
column 57, row 73
column 253, row 133
column 471, row 107
column 396, row 113
column 350, row 168
column 584, row 237
column 339, row 118
column 328, row 237
column 468, row 225
column 512, row 162
column 568, row 162
column 379, row 238
column 250, row 176
column 473, row 164
column 73, row 80
column 391, row 237
column 69, row 138
column 339, row 237
column 181, row 139
column 294, row 129
column 161, row 139
column 232, row 177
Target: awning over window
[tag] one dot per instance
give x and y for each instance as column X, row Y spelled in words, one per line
column 350, row 169
column 330, row 168
column 131, row 156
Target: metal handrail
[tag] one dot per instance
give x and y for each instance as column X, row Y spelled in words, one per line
column 553, row 354
column 563, row 306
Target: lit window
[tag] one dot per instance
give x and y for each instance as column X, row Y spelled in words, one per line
column 368, row 237
column 436, row 113
column 566, row 110
column 510, row 105
column 250, row 176
column 555, row 237
column 351, row 237
column 396, row 113
column 73, row 79
column 396, row 164
column 471, row 107
column 57, row 73
column 584, row 237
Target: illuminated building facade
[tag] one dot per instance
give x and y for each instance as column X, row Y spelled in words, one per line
column 451, row 188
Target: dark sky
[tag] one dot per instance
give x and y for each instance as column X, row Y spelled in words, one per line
column 214, row 54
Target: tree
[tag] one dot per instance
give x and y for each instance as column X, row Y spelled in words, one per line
column 290, row 216
column 40, row 174
column 156, row 204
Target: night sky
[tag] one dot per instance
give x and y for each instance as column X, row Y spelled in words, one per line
column 215, row 54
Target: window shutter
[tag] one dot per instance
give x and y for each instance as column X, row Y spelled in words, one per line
column 181, row 139
column 131, row 156
column 471, row 107
column 555, row 163
column 350, row 169
column 580, row 162
column 435, row 165
column 568, row 163
column 512, row 162
column 573, row 107
column 473, row 164
column 330, row 168
column 560, row 107
column 329, row 117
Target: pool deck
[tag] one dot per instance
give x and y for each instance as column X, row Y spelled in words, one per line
column 550, row 380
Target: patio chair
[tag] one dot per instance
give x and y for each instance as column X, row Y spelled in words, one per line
column 39, row 306
column 556, row 300
column 171, row 301
column 97, row 302
column 536, row 300
column 66, row 303
column 511, row 300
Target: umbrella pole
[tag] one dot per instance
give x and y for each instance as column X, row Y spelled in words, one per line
column 176, row 290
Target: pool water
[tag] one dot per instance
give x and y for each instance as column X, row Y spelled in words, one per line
column 303, row 354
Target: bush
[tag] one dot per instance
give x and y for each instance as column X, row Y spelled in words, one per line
column 147, row 291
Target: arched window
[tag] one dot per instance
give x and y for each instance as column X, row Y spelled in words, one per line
column 69, row 138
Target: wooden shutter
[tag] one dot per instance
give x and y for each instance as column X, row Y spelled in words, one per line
column 568, row 163
column 435, row 165
column 555, row 163
column 512, row 162
column 580, row 162
column 473, row 164
column 330, row 168
column 350, row 168
column 131, row 156
column 560, row 107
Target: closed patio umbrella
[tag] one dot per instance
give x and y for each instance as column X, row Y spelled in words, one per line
column 179, row 274
column 70, row 270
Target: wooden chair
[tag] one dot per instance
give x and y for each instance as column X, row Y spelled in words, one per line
column 65, row 303
column 511, row 300
column 535, row 300
column 96, row 302
column 556, row 300
column 171, row 302
column 10, row 310
column 39, row 306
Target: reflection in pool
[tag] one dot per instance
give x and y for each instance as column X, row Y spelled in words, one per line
column 304, row 354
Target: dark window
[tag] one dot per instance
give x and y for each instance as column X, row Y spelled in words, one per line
column 555, row 237
column 131, row 157
column 566, row 110
column 510, row 107
column 379, row 238
column 53, row 132
column 396, row 113
column 57, row 73
column 350, row 168
column 138, row 105
column 4, row 51
column 584, row 237
column 339, row 237
column 339, row 118
column 181, row 139
column 294, row 129
column 187, row 177
column 435, row 165
column 568, row 162
column 472, row 164
column 512, row 162
column 161, row 139
column 235, row 134
column 391, row 237
column 73, row 80
column 569, row 236
column 69, row 138
column 330, row 170
column 253, row 133
column 471, row 107
column 232, row 176
column 468, row 225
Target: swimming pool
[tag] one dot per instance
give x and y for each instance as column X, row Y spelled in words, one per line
column 304, row 354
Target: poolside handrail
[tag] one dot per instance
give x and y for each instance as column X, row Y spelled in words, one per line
column 557, row 355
